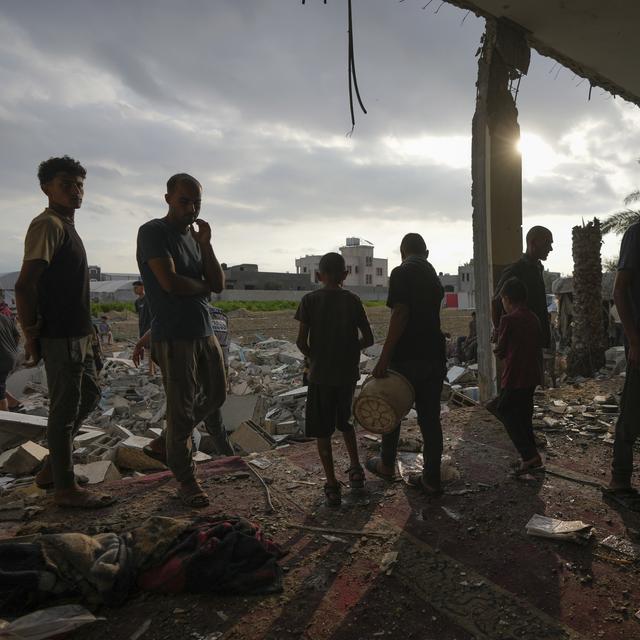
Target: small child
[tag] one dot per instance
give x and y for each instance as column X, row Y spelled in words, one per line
column 330, row 318
column 520, row 346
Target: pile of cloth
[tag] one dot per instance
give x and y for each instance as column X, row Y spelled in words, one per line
column 223, row 554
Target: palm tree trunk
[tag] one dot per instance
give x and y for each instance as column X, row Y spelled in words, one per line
column 588, row 341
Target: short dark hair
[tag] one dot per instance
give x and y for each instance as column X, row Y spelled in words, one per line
column 537, row 232
column 48, row 169
column 515, row 290
column 137, row 283
column 176, row 179
column 413, row 244
column 332, row 264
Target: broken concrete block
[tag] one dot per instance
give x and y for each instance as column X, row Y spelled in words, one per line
column 129, row 455
column 118, row 431
column 286, row 428
column 23, row 459
column 250, row 437
column 16, row 428
column 200, row 456
column 102, row 471
column 152, row 432
column 88, row 437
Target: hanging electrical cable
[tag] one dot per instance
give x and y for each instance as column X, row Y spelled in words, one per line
column 351, row 69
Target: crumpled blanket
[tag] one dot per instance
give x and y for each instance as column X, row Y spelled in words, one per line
column 223, row 554
column 163, row 554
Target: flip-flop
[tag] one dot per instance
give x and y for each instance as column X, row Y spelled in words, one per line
column 198, row 500
column 627, row 498
column 517, row 470
column 372, row 466
column 91, row 501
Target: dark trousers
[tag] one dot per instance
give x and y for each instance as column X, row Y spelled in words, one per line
column 627, row 428
column 73, row 394
column 426, row 378
column 515, row 408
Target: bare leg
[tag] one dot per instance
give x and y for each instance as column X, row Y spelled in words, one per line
column 326, row 458
column 12, row 400
column 352, row 447
column 4, row 405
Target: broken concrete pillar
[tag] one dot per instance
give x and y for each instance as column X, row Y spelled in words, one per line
column 22, row 460
column 497, row 177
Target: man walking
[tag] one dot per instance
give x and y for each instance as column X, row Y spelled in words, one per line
column 415, row 348
column 626, row 295
column 179, row 270
column 528, row 269
column 52, row 296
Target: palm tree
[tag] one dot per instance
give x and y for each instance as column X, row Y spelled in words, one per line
column 620, row 221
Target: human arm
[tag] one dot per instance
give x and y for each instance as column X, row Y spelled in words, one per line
column 138, row 351
column 397, row 325
column 302, row 341
column 622, row 299
column 164, row 270
column 26, row 289
column 502, row 338
column 366, row 339
column 213, row 273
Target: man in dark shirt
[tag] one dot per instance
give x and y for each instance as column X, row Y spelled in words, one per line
column 9, row 339
column 179, row 270
column 52, row 296
column 626, row 295
column 528, row 269
column 415, row 347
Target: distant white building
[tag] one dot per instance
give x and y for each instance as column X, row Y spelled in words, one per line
column 363, row 269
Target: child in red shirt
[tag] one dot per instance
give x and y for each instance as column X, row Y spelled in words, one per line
column 520, row 347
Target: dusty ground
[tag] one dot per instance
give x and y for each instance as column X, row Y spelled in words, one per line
column 251, row 326
column 465, row 569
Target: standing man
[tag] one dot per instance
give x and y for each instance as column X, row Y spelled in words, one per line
column 52, row 296
column 528, row 269
column 626, row 295
column 180, row 270
column 144, row 316
column 415, row 347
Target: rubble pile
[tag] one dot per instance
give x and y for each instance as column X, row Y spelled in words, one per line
column 597, row 419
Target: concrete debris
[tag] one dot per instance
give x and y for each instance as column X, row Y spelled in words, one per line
column 251, row 437
column 23, row 459
column 129, row 454
column 101, row 471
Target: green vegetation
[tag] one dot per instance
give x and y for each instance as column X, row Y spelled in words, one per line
column 100, row 308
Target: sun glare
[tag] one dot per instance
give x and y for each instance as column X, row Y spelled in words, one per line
column 538, row 157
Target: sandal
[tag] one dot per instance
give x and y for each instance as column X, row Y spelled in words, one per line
column 518, row 469
column 416, row 481
column 628, row 498
column 333, row 498
column 356, row 477
column 372, row 466
column 195, row 499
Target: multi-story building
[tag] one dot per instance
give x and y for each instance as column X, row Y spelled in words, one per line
column 363, row 269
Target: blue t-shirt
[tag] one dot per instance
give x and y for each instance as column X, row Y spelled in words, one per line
column 630, row 261
column 173, row 317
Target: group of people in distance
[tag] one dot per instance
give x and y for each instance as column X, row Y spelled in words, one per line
column 180, row 271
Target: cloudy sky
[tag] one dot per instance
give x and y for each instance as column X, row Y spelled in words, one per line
column 250, row 96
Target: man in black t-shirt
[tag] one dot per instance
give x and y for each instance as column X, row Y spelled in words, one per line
column 144, row 316
column 528, row 269
column 415, row 347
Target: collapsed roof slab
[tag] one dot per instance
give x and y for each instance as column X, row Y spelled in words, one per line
column 597, row 40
